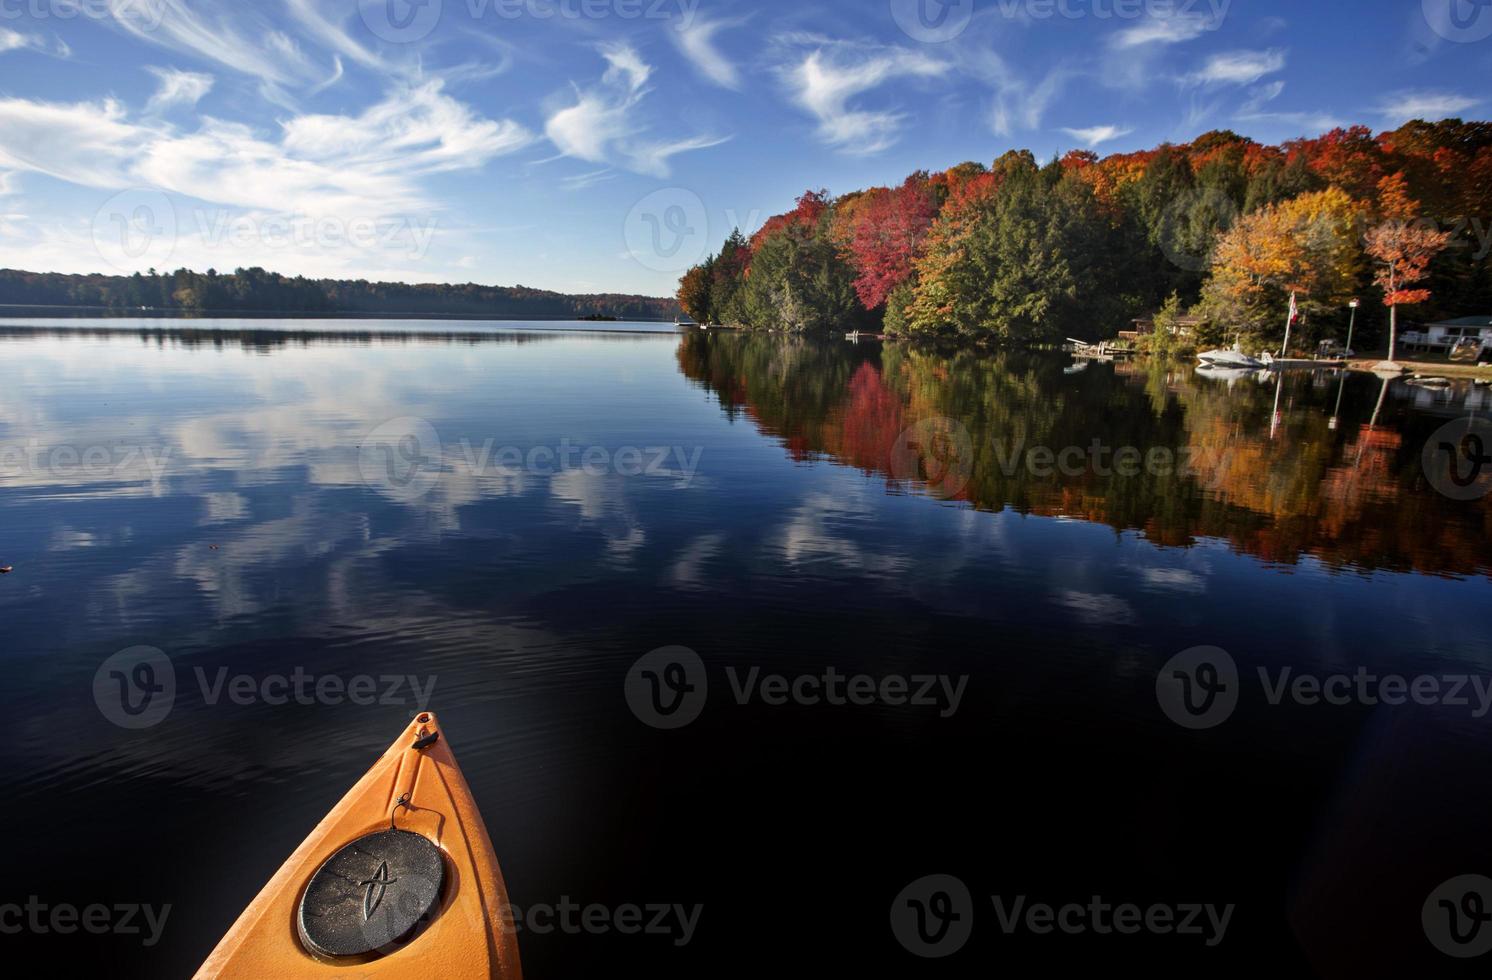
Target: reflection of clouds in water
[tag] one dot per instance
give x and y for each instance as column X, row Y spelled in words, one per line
column 220, row 508
column 831, row 530
column 66, row 538
column 588, row 491
column 1097, row 609
column 625, row 547
column 816, row 533
column 1174, row 580
column 688, row 569
column 222, row 576
column 311, row 420
column 601, row 498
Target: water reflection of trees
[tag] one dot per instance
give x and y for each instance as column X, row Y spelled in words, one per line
column 1278, row 484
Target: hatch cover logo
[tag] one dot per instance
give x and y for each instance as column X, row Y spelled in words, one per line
column 378, row 886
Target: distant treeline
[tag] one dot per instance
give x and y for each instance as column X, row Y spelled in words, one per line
column 258, row 291
column 1223, row 228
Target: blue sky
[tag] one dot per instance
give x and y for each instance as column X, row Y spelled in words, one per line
column 603, row 145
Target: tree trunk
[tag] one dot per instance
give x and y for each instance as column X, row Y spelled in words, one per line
column 1393, row 323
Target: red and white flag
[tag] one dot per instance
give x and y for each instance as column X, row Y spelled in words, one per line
column 1294, row 310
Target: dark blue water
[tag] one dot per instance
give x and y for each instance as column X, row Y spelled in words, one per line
column 508, row 518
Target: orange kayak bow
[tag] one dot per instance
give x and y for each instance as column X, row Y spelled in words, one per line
column 399, row 880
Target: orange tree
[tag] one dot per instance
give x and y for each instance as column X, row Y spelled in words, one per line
column 1402, row 250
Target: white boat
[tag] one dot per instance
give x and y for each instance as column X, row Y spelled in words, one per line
column 1234, row 358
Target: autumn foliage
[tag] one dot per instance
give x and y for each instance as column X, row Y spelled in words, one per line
column 1017, row 250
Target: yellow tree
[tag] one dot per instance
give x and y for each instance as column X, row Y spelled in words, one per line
column 1402, row 250
column 1306, row 246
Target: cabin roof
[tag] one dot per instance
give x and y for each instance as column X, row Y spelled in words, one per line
column 1465, row 321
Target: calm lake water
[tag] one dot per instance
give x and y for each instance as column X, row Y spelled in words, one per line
column 513, row 515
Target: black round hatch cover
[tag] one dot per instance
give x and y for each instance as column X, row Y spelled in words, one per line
column 371, row 893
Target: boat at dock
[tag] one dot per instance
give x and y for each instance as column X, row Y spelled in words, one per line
column 399, row 880
column 1105, row 350
column 1301, row 363
column 1230, row 358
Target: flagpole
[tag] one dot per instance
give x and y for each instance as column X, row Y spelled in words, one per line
column 1290, row 322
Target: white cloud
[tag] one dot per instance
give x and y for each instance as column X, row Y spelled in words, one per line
column 1303, row 123
column 207, row 29
column 1429, row 106
column 416, row 130
column 1094, row 135
column 1239, row 67
column 11, row 41
column 86, row 143
column 1019, row 103
column 833, row 74
column 1261, row 96
column 652, row 157
column 308, row 14
column 177, row 88
column 1176, row 29
column 351, row 170
column 599, row 127
column 697, row 42
column 625, row 64
column 589, row 179
column 14, row 41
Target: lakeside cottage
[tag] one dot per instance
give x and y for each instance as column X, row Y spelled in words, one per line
column 1184, row 326
column 1446, row 336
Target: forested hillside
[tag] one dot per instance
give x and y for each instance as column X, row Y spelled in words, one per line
column 1222, row 227
column 255, row 290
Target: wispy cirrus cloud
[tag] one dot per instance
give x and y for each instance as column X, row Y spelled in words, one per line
column 696, row 41
column 1020, row 103
column 1401, row 107
column 365, row 165
column 1239, row 67
column 1256, row 109
column 364, row 176
column 15, row 41
column 310, row 15
column 417, row 129
column 175, row 87
column 826, row 80
column 600, row 126
column 1173, row 29
column 233, row 35
column 1092, row 136
column 1261, row 96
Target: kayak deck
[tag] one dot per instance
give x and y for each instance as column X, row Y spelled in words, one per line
column 468, row 932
